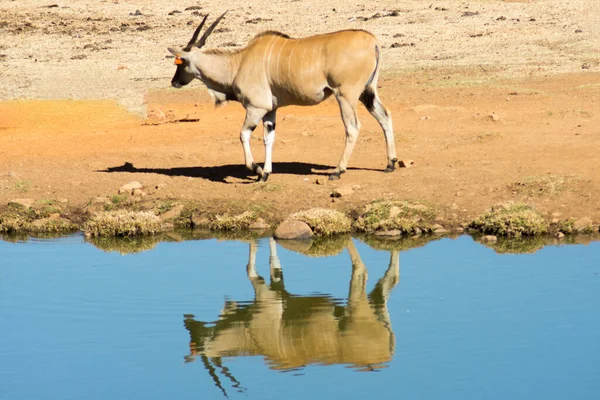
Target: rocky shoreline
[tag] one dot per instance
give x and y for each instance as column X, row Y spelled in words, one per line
column 128, row 214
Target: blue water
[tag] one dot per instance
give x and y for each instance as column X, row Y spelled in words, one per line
column 77, row 322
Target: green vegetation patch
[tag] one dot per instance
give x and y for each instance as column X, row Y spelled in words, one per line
column 395, row 215
column 232, row 223
column 42, row 219
column 511, row 219
column 541, row 185
column 122, row 223
column 324, row 222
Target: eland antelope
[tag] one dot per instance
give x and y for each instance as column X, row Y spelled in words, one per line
column 292, row 331
column 275, row 70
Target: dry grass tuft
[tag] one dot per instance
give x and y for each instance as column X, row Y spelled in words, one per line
column 324, row 222
column 395, row 215
column 511, row 219
column 122, row 223
column 232, row 223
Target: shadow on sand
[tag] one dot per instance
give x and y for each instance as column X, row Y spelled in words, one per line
column 221, row 172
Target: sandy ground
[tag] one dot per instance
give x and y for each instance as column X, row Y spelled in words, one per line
column 493, row 100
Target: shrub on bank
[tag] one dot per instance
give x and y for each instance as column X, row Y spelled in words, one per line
column 232, row 223
column 122, row 223
column 395, row 215
column 511, row 219
column 323, row 221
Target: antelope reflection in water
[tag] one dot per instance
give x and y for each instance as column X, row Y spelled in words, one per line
column 292, row 331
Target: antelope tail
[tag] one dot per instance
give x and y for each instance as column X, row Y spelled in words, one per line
column 376, row 66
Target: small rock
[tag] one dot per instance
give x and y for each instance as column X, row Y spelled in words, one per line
column 395, row 211
column 175, row 12
column 439, row 229
column 424, row 118
column 38, row 223
column 293, row 229
column 137, row 13
column 582, row 224
column 130, row 187
column 342, row 191
column 167, row 226
column 139, row 192
column 27, row 203
column 390, row 233
column 405, row 163
column 495, row 117
column 174, row 212
column 321, row 180
column 259, row 224
column 99, row 201
column 62, row 201
column 423, row 208
column 555, row 220
column 560, row 235
column 417, row 231
column 200, row 221
column 489, row 239
column 556, row 214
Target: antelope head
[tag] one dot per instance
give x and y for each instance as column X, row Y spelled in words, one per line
column 185, row 57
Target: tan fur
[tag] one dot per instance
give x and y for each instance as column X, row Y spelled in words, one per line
column 274, row 71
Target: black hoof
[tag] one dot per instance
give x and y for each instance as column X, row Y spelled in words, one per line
column 257, row 169
column 336, row 175
column 391, row 166
column 263, row 177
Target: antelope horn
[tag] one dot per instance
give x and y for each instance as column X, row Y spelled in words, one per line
column 195, row 36
column 202, row 40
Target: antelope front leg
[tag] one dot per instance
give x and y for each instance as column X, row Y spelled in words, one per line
column 269, row 139
column 253, row 117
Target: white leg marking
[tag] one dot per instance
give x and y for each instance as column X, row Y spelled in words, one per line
column 269, row 139
column 253, row 117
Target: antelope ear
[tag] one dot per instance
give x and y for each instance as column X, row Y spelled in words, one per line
column 180, row 55
column 174, row 51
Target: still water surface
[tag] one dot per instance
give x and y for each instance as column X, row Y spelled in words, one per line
column 204, row 319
